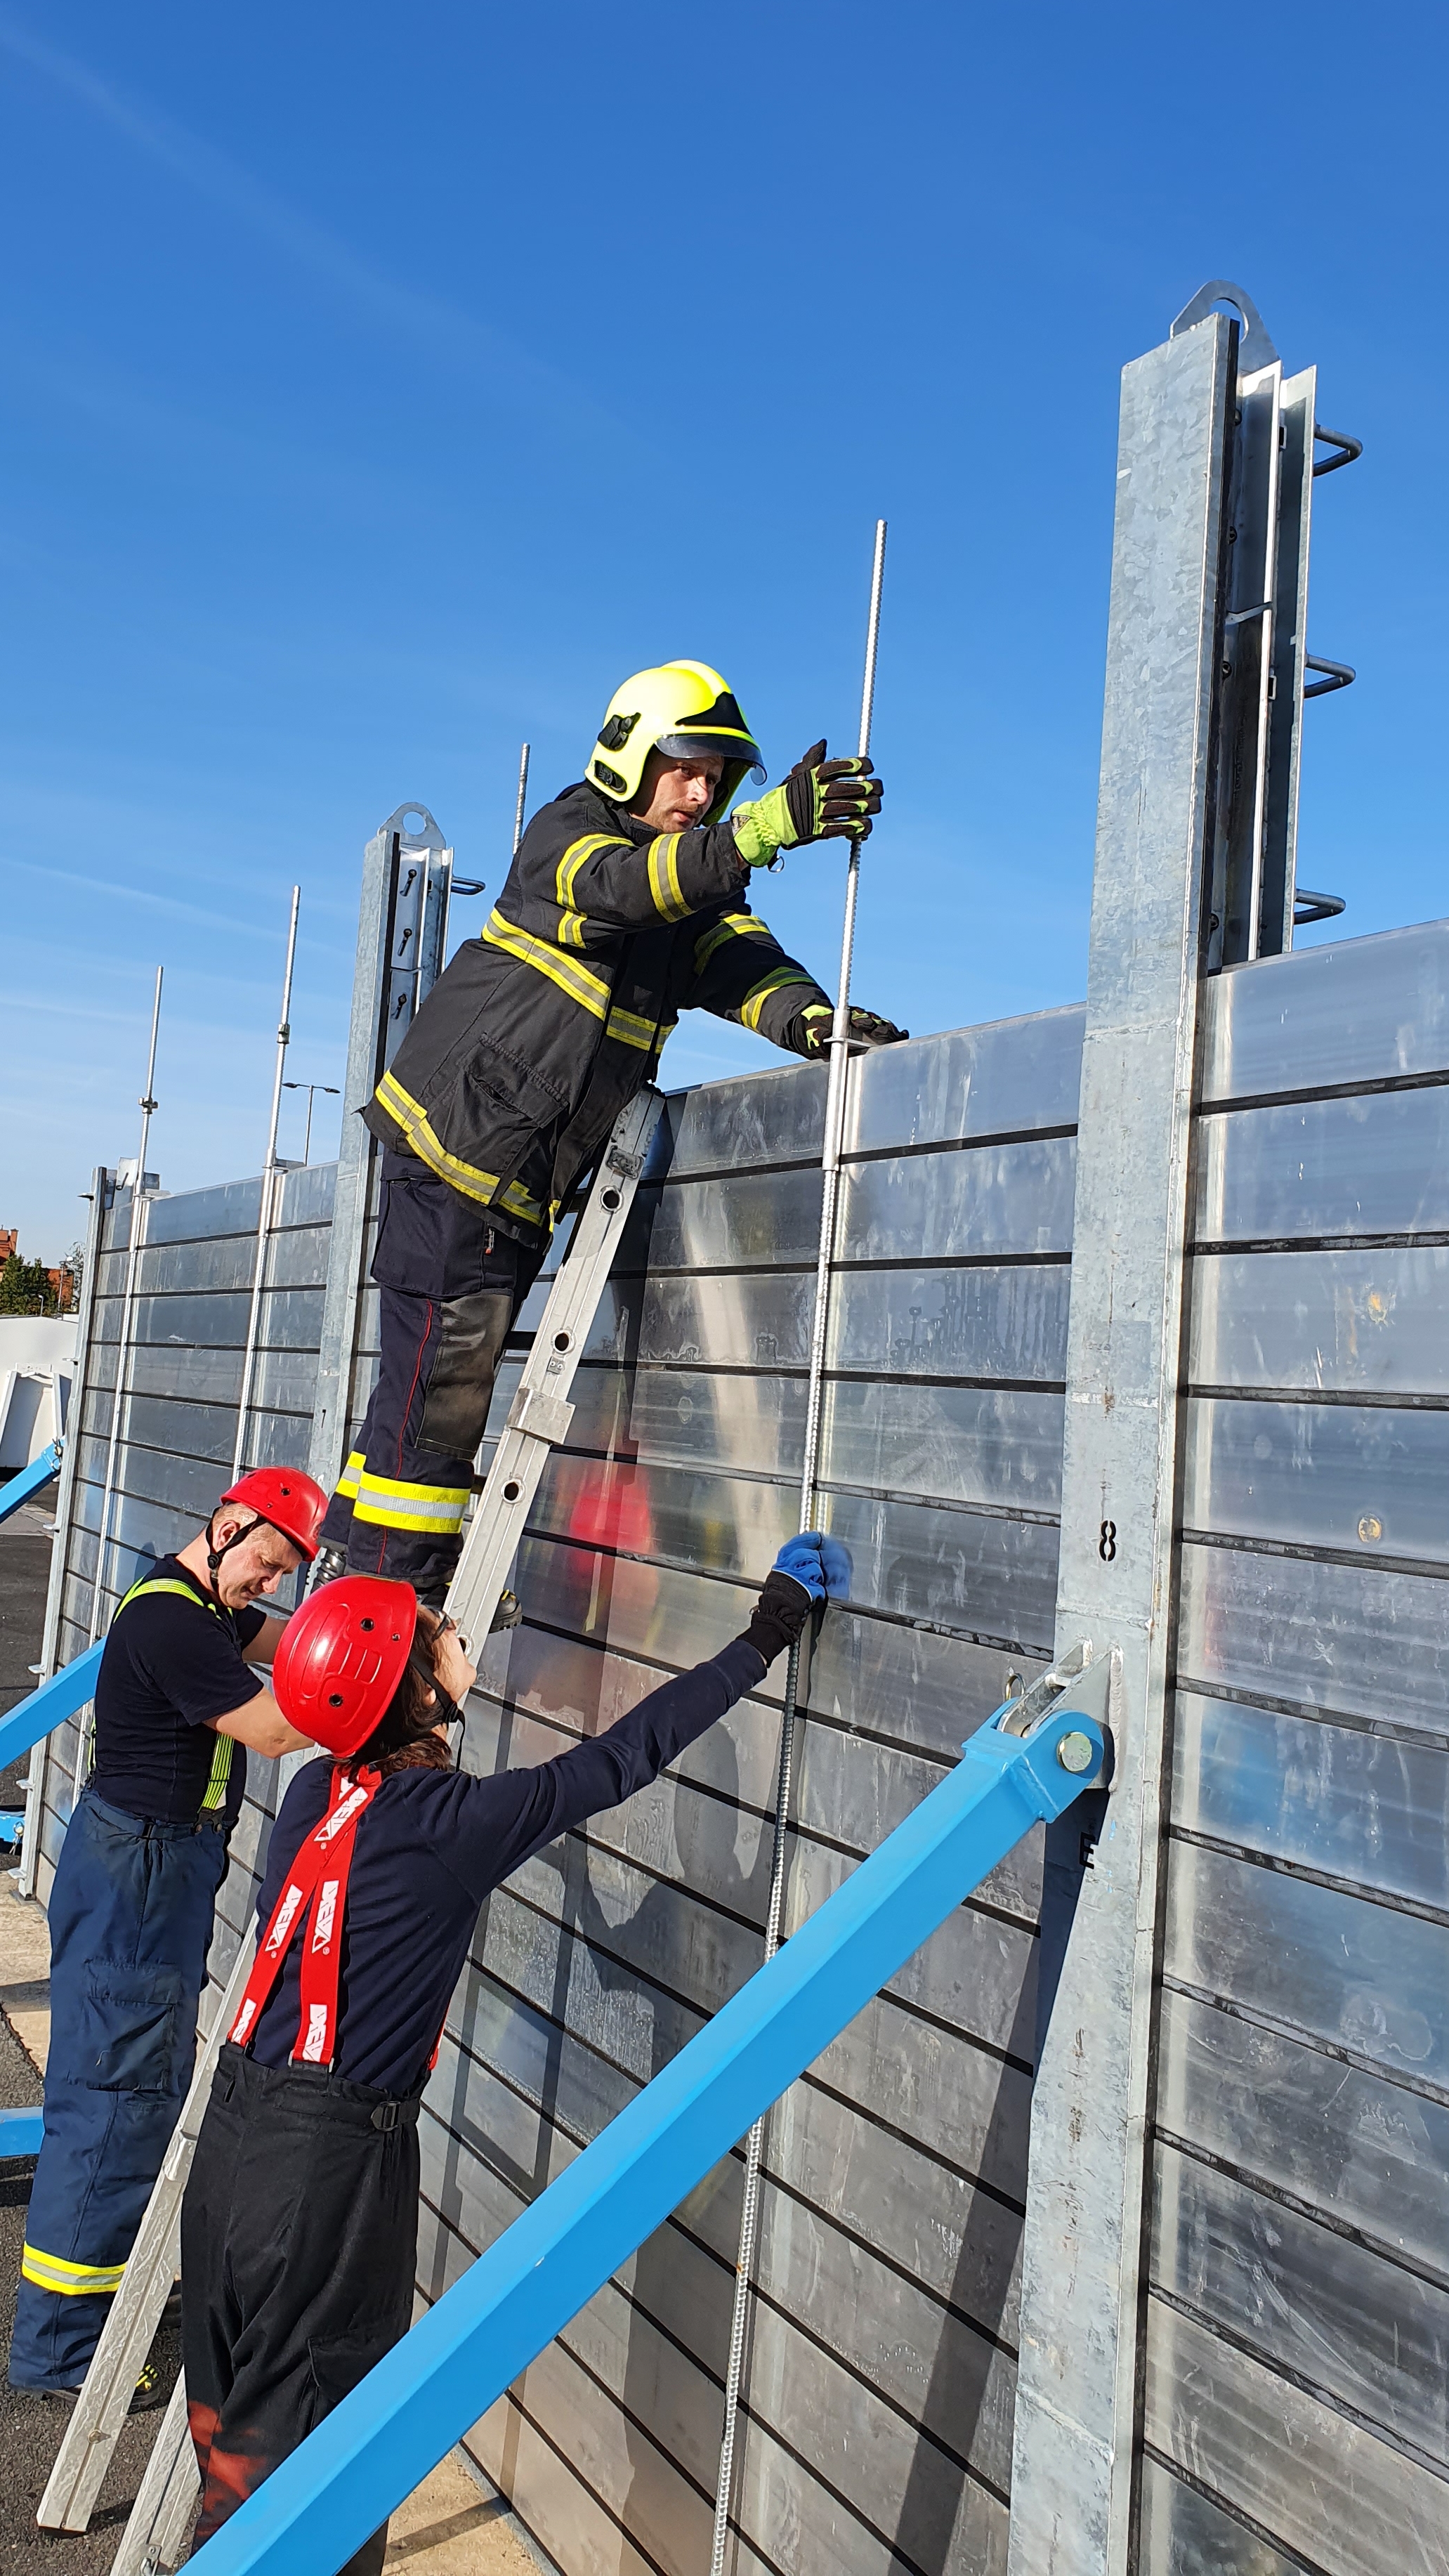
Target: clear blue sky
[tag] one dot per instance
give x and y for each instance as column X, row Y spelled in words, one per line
column 383, row 385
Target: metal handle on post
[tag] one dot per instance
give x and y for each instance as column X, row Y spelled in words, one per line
column 775, row 1910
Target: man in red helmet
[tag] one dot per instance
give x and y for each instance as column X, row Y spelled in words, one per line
column 177, row 1702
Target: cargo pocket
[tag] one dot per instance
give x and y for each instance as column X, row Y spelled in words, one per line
column 132, row 2035
column 460, row 1384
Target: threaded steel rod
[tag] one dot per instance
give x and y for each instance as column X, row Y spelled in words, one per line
column 522, row 796
column 268, row 1197
column 835, row 1100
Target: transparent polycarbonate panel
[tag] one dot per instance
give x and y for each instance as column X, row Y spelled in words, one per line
column 1367, row 2152
column 805, row 2523
column 1185, row 2534
column 1370, row 1477
column 991, row 1199
column 1357, row 2327
column 730, row 1222
column 1332, row 1798
column 1375, row 1164
column 1362, row 1639
column 743, row 1320
column 1008, row 1321
column 197, row 1216
column 282, row 1381
column 1329, row 2489
column 772, row 1117
column 1358, row 1010
column 993, row 1081
column 1365, row 1977
column 1361, row 1322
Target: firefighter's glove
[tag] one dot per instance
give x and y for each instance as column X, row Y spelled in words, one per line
column 867, row 1028
column 809, row 1570
column 819, row 799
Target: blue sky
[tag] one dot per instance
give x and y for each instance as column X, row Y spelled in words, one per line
column 383, row 386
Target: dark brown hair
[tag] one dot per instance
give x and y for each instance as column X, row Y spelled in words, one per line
column 403, row 1738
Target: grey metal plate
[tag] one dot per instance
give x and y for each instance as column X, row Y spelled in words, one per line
column 1332, row 1798
column 774, row 1117
column 1374, row 1477
column 1184, row 2534
column 1355, row 1322
column 991, row 1199
column 1367, row 1978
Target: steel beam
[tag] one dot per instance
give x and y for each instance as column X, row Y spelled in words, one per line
column 1076, row 2397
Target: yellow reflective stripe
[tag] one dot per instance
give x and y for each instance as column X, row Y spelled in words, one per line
column 165, row 1583
column 392, row 1504
column 590, row 991
column 664, row 877
column 69, row 2280
column 220, row 1773
column 466, row 1177
column 347, row 1481
column 573, row 859
column 632, row 1031
column 735, row 925
column 759, row 994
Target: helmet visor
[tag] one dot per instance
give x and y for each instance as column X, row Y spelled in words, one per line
column 736, row 747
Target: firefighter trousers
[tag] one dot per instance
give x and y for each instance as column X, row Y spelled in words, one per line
column 450, row 1286
column 298, row 2247
column 130, row 1921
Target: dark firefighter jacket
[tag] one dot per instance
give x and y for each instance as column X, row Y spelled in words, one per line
column 540, row 1030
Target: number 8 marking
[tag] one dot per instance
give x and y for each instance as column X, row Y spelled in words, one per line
column 1107, row 1543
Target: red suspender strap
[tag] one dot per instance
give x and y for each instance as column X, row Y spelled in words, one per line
column 319, row 1872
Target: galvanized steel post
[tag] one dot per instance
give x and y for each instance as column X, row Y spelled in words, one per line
column 266, row 1210
column 1071, row 2495
column 402, row 930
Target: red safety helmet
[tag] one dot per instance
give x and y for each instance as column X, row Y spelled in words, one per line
column 291, row 1500
column 342, row 1656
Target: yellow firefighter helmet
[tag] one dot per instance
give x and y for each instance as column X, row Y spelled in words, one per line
column 680, row 707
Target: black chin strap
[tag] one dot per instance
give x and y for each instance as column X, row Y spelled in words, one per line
column 214, row 1554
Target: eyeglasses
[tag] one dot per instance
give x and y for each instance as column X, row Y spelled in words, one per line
column 445, row 1624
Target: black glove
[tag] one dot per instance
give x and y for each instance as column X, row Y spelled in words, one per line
column 780, row 1616
column 830, row 796
column 867, row 1028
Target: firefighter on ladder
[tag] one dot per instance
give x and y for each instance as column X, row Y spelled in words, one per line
column 177, row 1701
column 626, row 904
column 299, row 2226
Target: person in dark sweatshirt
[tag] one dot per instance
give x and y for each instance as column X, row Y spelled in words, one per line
column 299, row 2227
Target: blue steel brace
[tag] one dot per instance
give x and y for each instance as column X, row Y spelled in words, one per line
column 18, row 1489
column 380, row 2443
column 60, row 1697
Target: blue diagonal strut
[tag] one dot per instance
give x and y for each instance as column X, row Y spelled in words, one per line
column 60, row 1697
column 381, row 2442
column 18, row 1489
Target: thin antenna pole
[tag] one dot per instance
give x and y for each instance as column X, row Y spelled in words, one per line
column 809, row 1474
column 268, row 1197
column 123, row 1349
column 522, row 794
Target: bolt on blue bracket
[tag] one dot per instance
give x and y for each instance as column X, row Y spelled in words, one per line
column 1026, row 1764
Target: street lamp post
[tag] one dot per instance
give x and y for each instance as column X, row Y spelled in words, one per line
column 311, row 1089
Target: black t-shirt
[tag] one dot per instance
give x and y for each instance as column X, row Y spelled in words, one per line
column 433, row 1844
column 173, row 1662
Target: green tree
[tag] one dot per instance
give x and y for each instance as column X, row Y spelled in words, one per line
column 24, row 1288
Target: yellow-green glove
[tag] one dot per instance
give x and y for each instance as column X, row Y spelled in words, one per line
column 817, row 800
column 867, row 1028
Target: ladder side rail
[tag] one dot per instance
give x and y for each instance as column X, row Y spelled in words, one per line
column 64, row 1514
column 343, row 2481
column 158, row 2525
column 540, row 1413
column 338, row 1336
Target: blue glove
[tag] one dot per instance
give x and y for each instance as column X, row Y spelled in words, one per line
column 821, row 1564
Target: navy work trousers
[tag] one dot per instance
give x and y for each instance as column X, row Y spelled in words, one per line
column 299, row 2236
column 130, row 1922
column 450, row 1287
